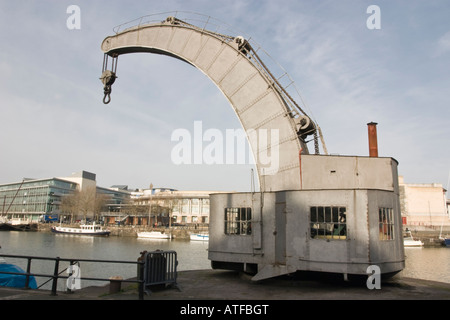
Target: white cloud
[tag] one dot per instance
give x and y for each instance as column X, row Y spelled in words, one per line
column 443, row 45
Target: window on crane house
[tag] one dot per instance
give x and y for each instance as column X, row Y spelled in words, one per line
column 386, row 223
column 238, row 221
column 328, row 222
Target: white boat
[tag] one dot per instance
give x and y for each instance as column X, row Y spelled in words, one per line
column 17, row 224
column 409, row 241
column 84, row 229
column 199, row 237
column 153, row 235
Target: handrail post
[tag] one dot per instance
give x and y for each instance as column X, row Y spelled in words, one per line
column 55, row 277
column 27, row 279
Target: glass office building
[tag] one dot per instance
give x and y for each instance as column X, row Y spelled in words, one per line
column 32, row 199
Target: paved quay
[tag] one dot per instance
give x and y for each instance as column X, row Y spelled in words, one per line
column 229, row 285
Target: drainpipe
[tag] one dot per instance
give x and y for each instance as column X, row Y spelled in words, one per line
column 373, row 143
column 300, row 161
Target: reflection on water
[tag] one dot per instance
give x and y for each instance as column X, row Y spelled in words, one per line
column 425, row 263
column 428, row 263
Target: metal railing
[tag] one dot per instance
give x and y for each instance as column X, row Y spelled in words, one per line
column 57, row 274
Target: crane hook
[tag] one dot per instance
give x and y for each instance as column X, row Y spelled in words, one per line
column 107, row 98
column 108, row 77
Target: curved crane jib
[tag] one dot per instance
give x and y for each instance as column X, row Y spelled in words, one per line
column 259, row 101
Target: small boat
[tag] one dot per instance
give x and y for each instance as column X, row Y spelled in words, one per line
column 14, row 280
column 17, row 224
column 85, row 230
column 153, row 235
column 446, row 241
column 409, row 241
column 199, row 237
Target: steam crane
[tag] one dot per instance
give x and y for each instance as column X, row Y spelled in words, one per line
column 314, row 212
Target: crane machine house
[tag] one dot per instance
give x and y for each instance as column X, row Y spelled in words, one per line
column 313, row 212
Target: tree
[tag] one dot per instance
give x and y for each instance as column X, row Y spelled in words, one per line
column 86, row 202
column 100, row 202
column 69, row 204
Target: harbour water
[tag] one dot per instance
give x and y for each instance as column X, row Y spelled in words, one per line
column 190, row 255
column 422, row 263
column 428, row 263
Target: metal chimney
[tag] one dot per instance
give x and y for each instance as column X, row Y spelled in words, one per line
column 373, row 143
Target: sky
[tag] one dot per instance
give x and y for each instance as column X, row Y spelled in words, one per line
column 53, row 121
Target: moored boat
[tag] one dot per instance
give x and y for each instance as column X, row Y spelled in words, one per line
column 14, row 280
column 17, row 224
column 446, row 241
column 199, row 237
column 85, row 229
column 409, row 241
column 153, row 235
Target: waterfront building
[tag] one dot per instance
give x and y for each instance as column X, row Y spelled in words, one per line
column 423, row 205
column 32, row 199
column 161, row 205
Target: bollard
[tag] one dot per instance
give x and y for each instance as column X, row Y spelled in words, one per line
column 115, row 284
column 141, row 259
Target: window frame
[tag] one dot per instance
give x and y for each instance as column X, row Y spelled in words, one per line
column 238, row 221
column 386, row 224
column 327, row 221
